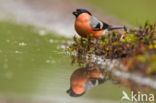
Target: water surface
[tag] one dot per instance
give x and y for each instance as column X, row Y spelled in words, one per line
column 35, row 69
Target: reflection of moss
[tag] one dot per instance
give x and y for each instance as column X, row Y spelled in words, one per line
column 137, row 46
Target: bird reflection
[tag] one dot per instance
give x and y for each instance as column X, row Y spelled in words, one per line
column 83, row 79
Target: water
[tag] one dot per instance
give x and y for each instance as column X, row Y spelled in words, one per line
column 35, row 70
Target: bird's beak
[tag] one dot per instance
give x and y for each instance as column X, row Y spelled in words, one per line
column 75, row 13
column 68, row 91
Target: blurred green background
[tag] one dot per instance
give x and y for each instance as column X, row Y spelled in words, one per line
column 134, row 12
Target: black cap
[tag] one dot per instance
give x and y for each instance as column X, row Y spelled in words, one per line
column 80, row 11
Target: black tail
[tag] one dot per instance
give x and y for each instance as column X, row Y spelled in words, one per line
column 115, row 28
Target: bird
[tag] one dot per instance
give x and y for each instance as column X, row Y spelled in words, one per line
column 87, row 24
column 83, row 80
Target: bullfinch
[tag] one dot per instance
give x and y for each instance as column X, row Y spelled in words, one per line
column 86, row 24
column 82, row 80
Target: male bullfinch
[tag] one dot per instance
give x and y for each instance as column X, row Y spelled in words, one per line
column 82, row 80
column 86, row 24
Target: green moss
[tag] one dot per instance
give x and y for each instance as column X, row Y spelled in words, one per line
column 130, row 38
column 137, row 45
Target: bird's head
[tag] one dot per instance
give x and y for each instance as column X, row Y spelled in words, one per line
column 74, row 94
column 78, row 91
column 80, row 11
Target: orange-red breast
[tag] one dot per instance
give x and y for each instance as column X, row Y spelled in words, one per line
column 86, row 24
column 82, row 80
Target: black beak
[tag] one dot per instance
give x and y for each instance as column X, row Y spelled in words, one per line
column 75, row 13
